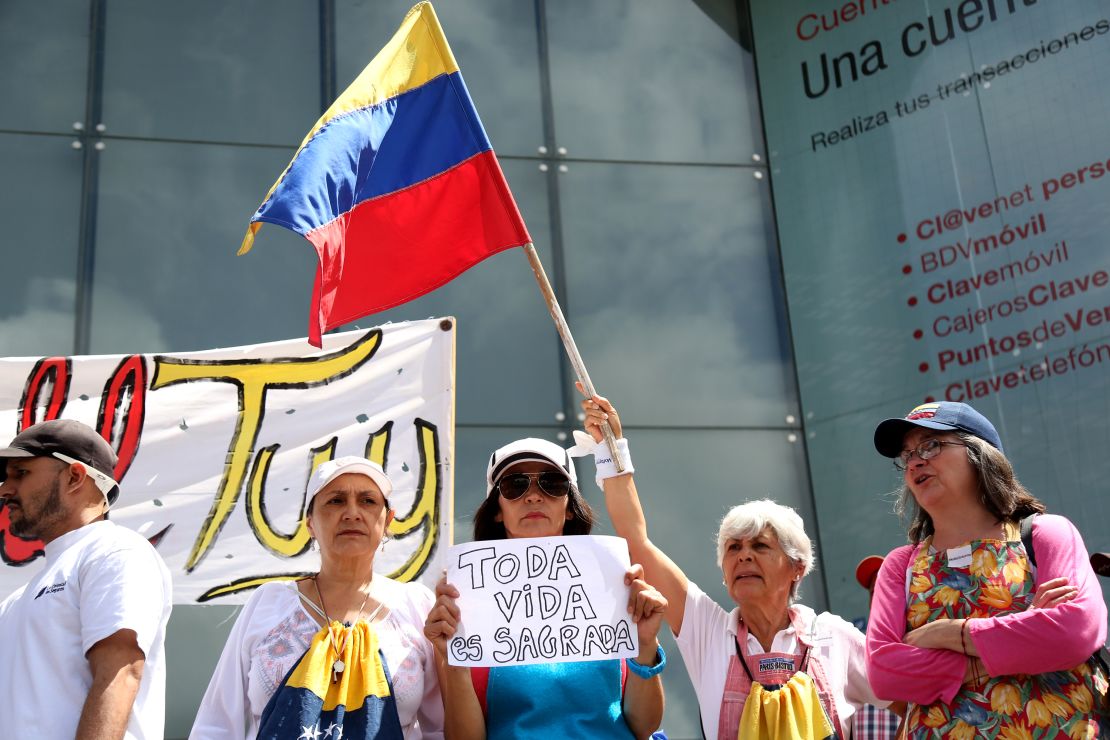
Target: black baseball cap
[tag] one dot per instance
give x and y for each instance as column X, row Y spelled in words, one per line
column 946, row 416
column 66, row 438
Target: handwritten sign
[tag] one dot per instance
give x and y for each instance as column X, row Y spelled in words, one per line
column 541, row 600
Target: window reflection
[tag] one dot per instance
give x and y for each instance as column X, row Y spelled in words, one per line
column 675, row 267
column 37, row 302
column 244, row 71
column 652, row 80
column 43, row 52
column 167, row 275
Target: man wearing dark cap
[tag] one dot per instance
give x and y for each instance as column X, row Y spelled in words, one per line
column 81, row 645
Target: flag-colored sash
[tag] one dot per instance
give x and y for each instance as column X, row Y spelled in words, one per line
column 358, row 704
column 792, row 711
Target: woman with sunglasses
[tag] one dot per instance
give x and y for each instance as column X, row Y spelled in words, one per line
column 532, row 491
column 979, row 642
column 770, row 667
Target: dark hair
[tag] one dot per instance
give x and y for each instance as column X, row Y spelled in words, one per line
column 1000, row 491
column 486, row 526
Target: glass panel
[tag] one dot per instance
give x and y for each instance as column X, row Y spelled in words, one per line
column 194, row 640
column 494, row 43
column 674, row 293
column 508, row 353
column 210, row 70
column 652, row 80
column 41, row 224
column 44, row 50
column 167, row 278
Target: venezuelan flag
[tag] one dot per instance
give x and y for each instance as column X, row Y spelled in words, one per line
column 359, row 705
column 396, row 186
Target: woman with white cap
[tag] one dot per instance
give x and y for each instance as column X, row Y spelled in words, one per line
column 532, row 491
column 339, row 653
column 963, row 626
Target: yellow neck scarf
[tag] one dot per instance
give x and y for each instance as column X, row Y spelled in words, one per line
column 791, row 712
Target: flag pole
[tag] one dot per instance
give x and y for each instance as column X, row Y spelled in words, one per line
column 568, row 343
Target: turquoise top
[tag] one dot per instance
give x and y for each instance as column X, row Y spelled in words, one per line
column 556, row 700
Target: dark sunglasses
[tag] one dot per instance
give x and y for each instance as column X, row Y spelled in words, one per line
column 515, row 485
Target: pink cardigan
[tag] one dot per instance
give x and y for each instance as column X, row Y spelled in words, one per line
column 1031, row 641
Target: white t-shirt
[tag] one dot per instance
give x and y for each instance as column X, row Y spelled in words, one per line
column 274, row 630
column 708, row 641
column 97, row 580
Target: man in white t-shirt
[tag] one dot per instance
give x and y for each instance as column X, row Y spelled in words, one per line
column 82, row 644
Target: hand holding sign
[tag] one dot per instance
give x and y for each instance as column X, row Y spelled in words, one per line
column 443, row 620
column 538, row 600
column 646, row 605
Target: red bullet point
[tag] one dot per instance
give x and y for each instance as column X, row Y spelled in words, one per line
column 929, row 399
column 918, row 334
column 906, row 269
column 901, row 238
column 923, row 367
column 912, row 301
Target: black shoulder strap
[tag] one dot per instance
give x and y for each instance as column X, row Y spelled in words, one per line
column 1027, row 539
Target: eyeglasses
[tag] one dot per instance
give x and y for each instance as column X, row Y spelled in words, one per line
column 515, row 485
column 102, row 480
column 927, row 450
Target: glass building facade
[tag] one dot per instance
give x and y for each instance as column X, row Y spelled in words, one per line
column 138, row 137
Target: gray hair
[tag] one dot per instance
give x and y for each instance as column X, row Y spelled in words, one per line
column 748, row 520
column 1000, row 492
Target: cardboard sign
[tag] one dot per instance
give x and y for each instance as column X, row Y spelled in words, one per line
column 541, row 600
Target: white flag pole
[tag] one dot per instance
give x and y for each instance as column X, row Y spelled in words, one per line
column 568, row 343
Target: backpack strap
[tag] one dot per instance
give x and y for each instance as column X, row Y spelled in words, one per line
column 1027, row 541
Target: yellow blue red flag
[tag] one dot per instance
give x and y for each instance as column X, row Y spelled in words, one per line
column 315, row 702
column 396, row 186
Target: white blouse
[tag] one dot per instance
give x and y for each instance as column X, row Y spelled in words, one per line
column 274, row 630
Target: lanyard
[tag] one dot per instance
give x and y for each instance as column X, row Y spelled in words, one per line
column 744, row 663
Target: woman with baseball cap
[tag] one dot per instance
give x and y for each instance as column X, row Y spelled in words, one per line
column 962, row 626
column 340, row 652
column 532, row 491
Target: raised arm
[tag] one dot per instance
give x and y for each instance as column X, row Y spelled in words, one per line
column 463, row 718
column 628, row 518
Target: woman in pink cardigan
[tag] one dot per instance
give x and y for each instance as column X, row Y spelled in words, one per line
column 963, row 626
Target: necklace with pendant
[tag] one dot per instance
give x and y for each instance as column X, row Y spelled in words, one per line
column 338, row 666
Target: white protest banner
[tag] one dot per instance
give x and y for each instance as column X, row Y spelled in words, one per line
column 216, row 448
column 541, row 600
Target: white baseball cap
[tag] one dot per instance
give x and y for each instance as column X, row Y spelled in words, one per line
column 530, row 449
column 328, row 471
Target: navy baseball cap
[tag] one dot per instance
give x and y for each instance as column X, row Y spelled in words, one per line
column 945, row 416
column 69, row 441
